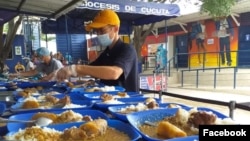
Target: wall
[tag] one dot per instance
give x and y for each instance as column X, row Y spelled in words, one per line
column 74, row 44
column 11, row 62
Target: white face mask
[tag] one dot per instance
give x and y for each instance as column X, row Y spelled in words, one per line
column 104, row 40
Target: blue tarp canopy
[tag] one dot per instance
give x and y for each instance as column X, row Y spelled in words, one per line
column 5, row 16
column 130, row 13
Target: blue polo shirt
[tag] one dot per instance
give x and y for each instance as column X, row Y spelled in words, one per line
column 124, row 56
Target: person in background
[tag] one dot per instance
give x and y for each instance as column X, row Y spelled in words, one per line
column 46, row 69
column 19, row 67
column 199, row 31
column 29, row 64
column 68, row 59
column 6, row 68
column 225, row 34
column 117, row 65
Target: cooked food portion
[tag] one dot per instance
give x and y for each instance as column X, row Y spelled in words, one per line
column 64, row 117
column 51, row 99
column 35, row 133
column 106, row 97
column 73, row 134
column 50, row 102
column 201, row 118
column 168, row 130
column 34, row 91
column 182, row 123
column 30, row 104
column 147, row 105
column 101, row 89
column 38, row 115
column 97, row 130
column 122, row 94
column 82, row 83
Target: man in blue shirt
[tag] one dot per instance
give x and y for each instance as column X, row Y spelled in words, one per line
column 117, row 65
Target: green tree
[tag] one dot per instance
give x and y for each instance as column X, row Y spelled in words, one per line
column 217, row 8
column 6, row 44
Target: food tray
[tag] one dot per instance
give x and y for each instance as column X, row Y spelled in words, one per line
column 46, row 90
column 16, row 108
column 95, row 114
column 23, row 85
column 118, row 125
column 133, row 100
column 114, row 110
column 83, row 90
column 96, row 95
column 2, row 108
column 138, row 118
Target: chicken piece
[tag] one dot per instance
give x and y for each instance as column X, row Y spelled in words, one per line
column 153, row 105
column 105, row 97
column 95, row 127
column 51, row 99
column 150, row 99
column 30, row 104
column 73, row 134
column 201, row 118
column 87, row 118
column 122, row 94
column 65, row 100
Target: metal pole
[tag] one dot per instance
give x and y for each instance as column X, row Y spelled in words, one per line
column 182, row 77
column 215, row 73
column 235, row 70
column 231, row 108
column 197, row 78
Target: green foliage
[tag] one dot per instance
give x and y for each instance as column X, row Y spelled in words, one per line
column 49, row 38
column 217, row 8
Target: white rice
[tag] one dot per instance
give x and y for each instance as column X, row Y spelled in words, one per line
column 113, row 101
column 138, row 107
column 31, row 138
column 73, row 106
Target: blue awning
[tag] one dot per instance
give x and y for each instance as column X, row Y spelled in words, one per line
column 130, row 13
column 5, row 16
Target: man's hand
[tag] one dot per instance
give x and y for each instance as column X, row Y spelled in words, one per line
column 63, row 73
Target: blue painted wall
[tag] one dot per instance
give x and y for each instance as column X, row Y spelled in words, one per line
column 244, row 46
column 18, row 41
column 74, row 44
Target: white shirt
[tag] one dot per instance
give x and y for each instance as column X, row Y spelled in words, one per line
column 223, row 29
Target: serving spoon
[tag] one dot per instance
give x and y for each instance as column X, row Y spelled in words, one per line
column 42, row 121
column 150, row 123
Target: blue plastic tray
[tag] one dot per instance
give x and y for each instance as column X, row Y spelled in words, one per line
column 138, row 118
column 22, row 99
column 2, row 108
column 114, row 110
column 46, row 90
column 16, row 108
column 118, row 125
column 21, row 84
column 96, row 95
column 133, row 100
column 95, row 114
column 83, row 90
